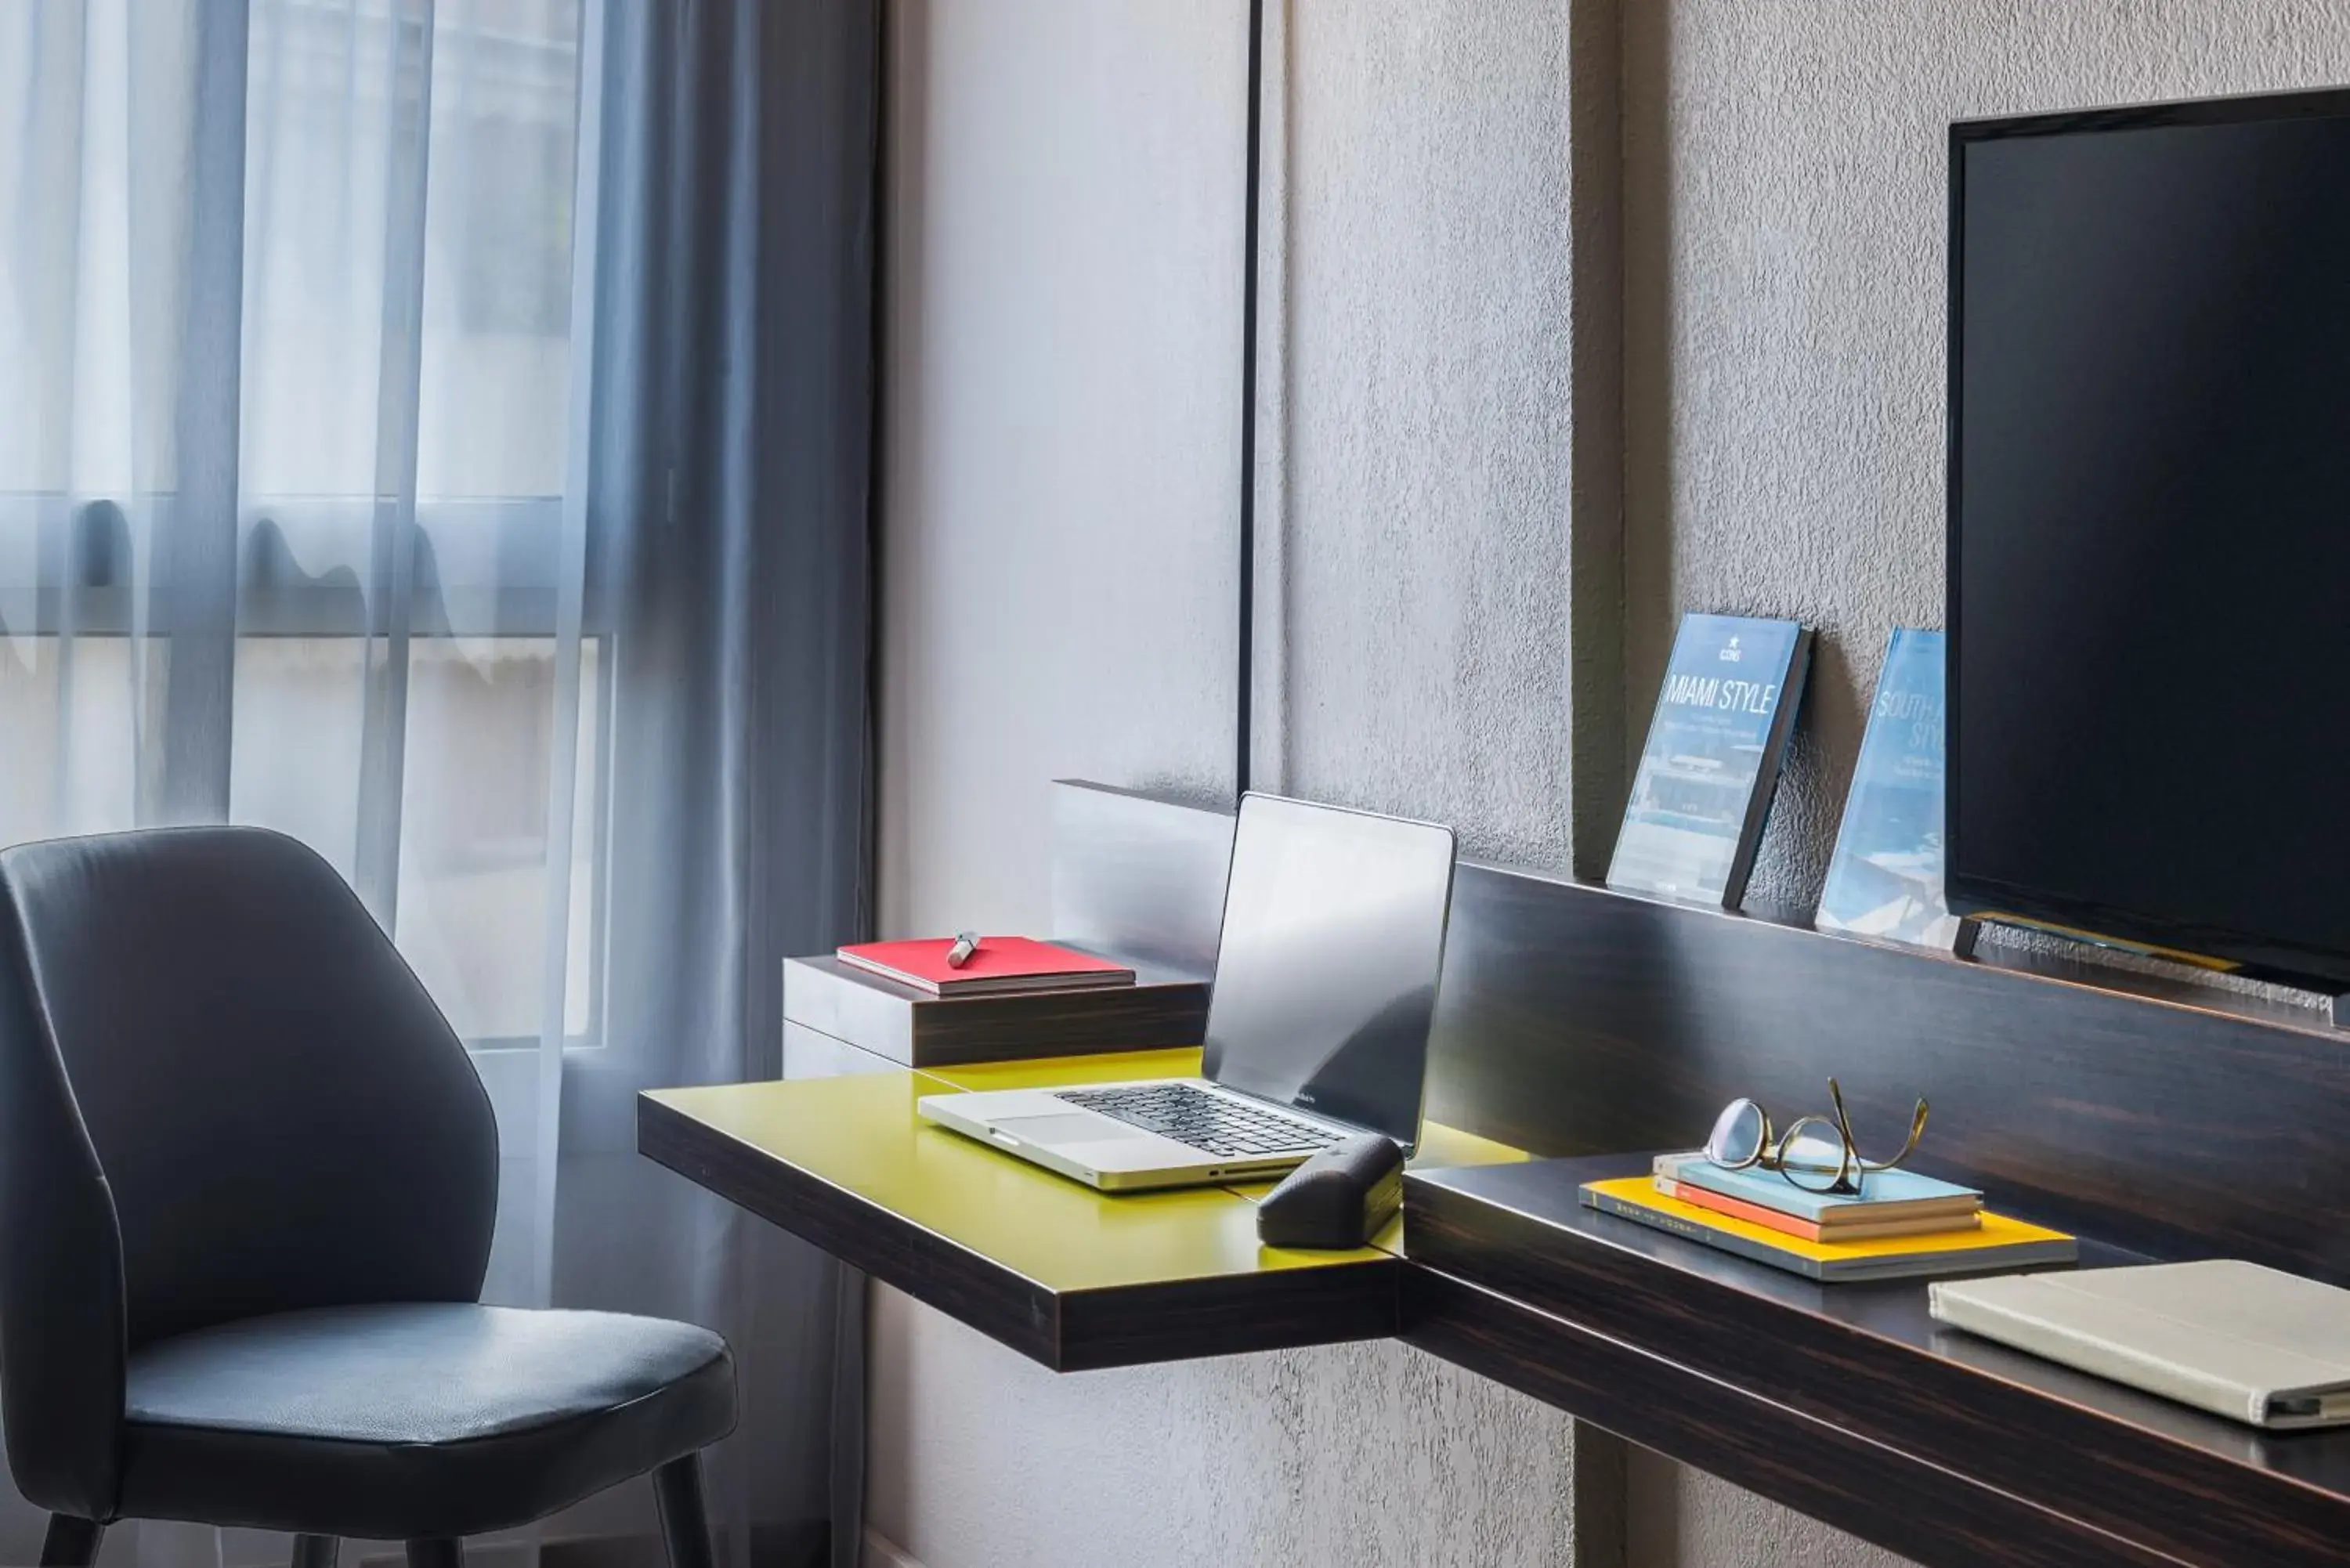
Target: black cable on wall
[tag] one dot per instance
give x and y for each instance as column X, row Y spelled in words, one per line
column 1246, row 641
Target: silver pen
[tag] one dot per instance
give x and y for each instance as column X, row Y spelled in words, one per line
column 965, row 944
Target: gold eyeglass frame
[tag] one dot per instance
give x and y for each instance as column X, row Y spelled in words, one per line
column 1770, row 1151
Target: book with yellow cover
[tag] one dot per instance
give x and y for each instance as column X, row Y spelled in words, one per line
column 1999, row 1243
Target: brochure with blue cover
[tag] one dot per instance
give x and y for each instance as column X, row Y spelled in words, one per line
column 1704, row 783
column 1885, row 881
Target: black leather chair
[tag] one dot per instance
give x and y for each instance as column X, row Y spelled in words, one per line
column 247, row 1180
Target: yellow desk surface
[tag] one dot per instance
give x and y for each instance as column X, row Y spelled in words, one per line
column 1071, row 1276
column 860, row 1135
column 1440, row 1146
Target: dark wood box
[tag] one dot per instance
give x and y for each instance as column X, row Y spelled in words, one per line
column 915, row 1028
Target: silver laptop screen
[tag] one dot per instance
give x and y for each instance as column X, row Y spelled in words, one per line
column 1325, row 973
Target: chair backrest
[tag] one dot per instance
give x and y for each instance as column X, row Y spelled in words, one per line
column 223, row 1094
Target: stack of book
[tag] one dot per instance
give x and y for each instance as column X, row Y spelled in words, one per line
column 1901, row 1226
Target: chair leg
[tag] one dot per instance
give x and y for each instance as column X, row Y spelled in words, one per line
column 685, row 1517
column 317, row 1551
column 437, row 1551
column 71, row 1542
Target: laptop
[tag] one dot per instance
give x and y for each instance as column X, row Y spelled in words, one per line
column 1317, row 1021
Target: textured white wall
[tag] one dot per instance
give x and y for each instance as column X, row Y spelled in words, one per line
column 1785, row 198
column 1371, row 1456
column 1063, row 314
column 1062, row 459
column 1419, row 468
column 1061, row 446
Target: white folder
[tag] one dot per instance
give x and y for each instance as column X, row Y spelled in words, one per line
column 2257, row 1346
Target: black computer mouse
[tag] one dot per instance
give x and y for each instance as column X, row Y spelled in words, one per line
column 1338, row 1198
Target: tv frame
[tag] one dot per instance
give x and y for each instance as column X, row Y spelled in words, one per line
column 1989, row 898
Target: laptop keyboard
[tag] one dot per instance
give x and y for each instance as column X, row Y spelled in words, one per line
column 1206, row 1122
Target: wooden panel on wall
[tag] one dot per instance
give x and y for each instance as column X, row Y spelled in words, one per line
column 1574, row 1020
column 1578, row 1021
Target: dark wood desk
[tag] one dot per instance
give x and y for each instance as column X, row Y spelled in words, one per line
column 1848, row 1401
column 1068, row 1276
column 1574, row 1022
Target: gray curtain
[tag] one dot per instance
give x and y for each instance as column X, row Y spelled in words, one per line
column 727, row 507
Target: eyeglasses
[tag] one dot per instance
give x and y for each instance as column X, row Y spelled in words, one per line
column 1816, row 1153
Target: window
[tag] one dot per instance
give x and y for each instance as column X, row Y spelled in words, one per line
column 384, row 605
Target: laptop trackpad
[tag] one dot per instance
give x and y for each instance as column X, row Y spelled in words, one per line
column 1054, row 1128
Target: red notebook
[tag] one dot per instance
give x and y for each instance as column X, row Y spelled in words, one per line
column 997, row 965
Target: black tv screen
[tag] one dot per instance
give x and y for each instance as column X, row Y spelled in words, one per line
column 2149, row 526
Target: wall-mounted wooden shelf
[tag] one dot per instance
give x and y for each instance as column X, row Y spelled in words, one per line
column 1576, row 1019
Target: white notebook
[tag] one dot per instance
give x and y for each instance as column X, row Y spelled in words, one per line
column 2255, row 1344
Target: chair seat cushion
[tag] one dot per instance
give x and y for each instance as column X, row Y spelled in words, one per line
column 417, row 1419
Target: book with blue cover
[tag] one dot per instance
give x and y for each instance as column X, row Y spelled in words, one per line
column 1885, row 881
column 1704, row 783
column 1884, row 1193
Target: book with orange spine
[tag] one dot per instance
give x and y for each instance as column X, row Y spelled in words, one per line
column 1793, row 1225
column 1999, row 1242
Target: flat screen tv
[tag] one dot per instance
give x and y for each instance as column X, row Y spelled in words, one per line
column 2150, row 527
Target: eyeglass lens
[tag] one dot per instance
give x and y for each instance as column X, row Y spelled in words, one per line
column 1739, row 1135
column 1815, row 1155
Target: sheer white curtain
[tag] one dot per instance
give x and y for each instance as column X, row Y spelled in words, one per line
column 290, row 527
column 440, row 430
column 286, row 416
